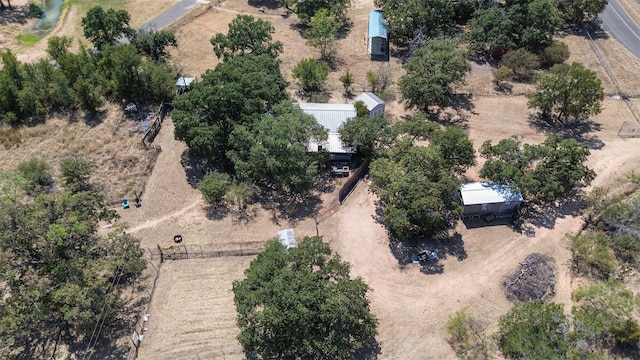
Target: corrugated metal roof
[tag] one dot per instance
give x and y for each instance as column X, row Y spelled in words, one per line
column 331, row 116
column 287, row 238
column 370, row 100
column 377, row 25
column 488, row 193
column 184, row 81
column 333, row 144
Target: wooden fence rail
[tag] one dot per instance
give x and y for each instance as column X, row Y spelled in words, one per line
column 155, row 126
column 353, row 181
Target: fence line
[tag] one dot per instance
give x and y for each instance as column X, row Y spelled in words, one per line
column 155, row 126
column 140, row 323
column 178, row 252
column 605, row 64
column 353, row 181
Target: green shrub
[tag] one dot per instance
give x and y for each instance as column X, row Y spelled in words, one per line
column 592, row 254
column 522, row 62
column 311, row 74
column 36, row 172
column 556, row 53
column 214, row 186
column 34, row 11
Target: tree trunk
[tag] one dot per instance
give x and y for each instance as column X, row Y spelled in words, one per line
column 10, row 8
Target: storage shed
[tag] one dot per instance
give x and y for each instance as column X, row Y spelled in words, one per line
column 487, row 198
column 378, row 41
column 372, row 102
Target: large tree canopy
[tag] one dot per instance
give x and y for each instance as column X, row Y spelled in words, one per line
column 579, row 11
column 302, row 303
column 534, row 331
column 59, row 277
column 106, row 27
column 417, row 184
column 568, row 92
column 528, row 24
column 406, row 18
column 247, row 35
column 306, row 10
column 544, row 173
column 236, row 93
column 431, row 72
column 153, row 44
column 365, row 133
column 490, row 32
column 274, row 152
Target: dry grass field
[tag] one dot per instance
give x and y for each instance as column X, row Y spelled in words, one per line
column 192, row 314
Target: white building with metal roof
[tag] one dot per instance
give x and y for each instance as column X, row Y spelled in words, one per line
column 372, row 102
column 331, row 116
column 487, row 198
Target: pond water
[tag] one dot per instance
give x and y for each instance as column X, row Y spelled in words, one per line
column 51, row 14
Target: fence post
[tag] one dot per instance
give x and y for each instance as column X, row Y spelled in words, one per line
column 161, row 254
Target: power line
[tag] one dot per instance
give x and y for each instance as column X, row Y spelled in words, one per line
column 101, row 319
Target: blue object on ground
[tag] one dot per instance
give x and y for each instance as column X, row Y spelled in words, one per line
column 125, row 203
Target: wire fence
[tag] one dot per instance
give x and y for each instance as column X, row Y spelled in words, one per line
column 605, row 64
column 155, row 126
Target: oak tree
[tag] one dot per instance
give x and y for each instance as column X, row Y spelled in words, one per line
column 106, row 27
column 544, row 172
column 430, row 74
column 240, row 90
column 302, row 303
column 274, row 151
column 568, row 93
column 246, row 35
column 321, row 34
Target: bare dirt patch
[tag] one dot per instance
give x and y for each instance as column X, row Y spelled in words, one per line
column 192, row 315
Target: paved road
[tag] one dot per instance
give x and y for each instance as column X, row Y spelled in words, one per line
column 171, row 15
column 621, row 26
column 166, row 18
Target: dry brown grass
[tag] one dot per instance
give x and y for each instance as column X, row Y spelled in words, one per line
column 123, row 164
column 196, row 294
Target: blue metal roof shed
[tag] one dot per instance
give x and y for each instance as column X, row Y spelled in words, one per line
column 377, row 25
column 377, row 39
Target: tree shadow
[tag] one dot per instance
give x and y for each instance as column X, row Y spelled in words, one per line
column 462, row 102
column 532, row 216
column 18, row 15
column 217, row 212
column 96, row 118
column 594, row 27
column 244, row 215
column 289, row 207
column 578, row 130
column 370, row 351
column 266, row 4
column 444, row 246
column 107, row 346
column 195, row 167
column 335, row 63
column 299, row 27
column 448, row 117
